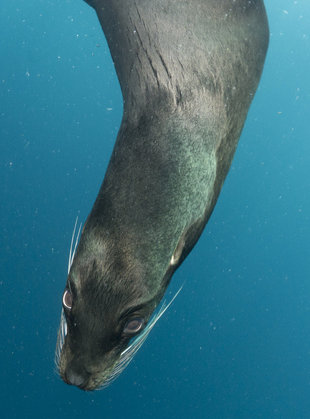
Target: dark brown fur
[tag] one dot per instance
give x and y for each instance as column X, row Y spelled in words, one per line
column 188, row 71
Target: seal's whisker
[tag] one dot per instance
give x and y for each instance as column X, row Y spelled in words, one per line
column 71, row 245
column 128, row 354
column 76, row 242
column 73, row 249
column 62, row 332
column 153, row 321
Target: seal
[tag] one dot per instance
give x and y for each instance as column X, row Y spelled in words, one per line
column 188, row 71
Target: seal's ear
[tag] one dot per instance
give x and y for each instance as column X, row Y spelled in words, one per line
column 186, row 242
column 178, row 251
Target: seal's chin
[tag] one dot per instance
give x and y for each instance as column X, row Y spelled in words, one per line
column 78, row 376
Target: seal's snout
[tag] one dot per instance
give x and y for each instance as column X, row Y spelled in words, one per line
column 75, row 377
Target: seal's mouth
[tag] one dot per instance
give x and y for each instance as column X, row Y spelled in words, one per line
column 104, row 378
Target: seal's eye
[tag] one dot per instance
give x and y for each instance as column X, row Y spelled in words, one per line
column 133, row 326
column 67, row 299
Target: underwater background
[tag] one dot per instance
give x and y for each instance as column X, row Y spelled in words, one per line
column 236, row 341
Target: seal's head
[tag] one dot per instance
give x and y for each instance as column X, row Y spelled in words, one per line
column 106, row 316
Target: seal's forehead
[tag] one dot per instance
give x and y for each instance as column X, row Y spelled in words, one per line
column 115, row 274
column 105, row 297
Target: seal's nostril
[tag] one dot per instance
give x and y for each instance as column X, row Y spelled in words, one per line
column 76, row 378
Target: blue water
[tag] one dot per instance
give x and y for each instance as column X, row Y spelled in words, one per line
column 236, row 342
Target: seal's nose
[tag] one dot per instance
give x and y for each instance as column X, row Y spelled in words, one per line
column 75, row 377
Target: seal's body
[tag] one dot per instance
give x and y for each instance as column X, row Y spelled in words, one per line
column 188, row 70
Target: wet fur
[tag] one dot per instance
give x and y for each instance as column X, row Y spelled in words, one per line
column 188, row 71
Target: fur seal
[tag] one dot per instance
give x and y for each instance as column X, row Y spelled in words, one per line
column 188, row 71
